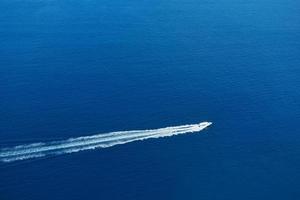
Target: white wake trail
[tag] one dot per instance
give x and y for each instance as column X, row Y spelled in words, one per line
column 72, row 145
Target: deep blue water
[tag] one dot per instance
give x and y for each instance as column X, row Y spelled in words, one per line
column 70, row 68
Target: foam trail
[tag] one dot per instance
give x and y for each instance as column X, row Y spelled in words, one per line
column 72, row 145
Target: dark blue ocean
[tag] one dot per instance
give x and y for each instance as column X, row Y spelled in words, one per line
column 71, row 68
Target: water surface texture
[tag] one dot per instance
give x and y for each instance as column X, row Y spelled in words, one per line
column 73, row 68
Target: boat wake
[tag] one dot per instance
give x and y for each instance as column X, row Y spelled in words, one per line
column 72, row 145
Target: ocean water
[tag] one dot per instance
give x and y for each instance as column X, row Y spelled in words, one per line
column 78, row 68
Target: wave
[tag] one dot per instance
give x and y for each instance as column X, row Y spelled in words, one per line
column 104, row 140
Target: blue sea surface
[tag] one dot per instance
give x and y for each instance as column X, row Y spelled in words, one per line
column 71, row 68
